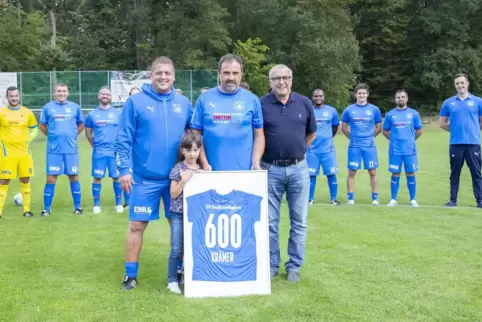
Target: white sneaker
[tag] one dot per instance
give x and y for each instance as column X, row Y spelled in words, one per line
column 413, row 203
column 392, row 203
column 174, row 287
column 96, row 210
column 350, row 202
column 119, row 208
column 311, row 203
column 375, row 203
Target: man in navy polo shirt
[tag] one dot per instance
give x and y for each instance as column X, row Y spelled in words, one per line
column 461, row 115
column 289, row 128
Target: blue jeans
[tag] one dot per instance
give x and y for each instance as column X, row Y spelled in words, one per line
column 177, row 235
column 295, row 181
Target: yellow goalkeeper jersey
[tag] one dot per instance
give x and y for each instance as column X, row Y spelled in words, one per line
column 14, row 129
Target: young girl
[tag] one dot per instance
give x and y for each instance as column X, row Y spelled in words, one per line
column 181, row 173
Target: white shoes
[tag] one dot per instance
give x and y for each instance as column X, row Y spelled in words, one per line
column 119, row 208
column 174, row 287
column 96, row 210
column 375, row 202
column 392, row 203
column 350, row 202
column 413, row 203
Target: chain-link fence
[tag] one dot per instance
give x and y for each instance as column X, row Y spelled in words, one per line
column 37, row 87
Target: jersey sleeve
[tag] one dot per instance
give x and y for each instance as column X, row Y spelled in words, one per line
column 335, row 121
column 189, row 115
column 387, row 123
column 44, row 117
column 125, row 137
column 378, row 115
column 345, row 117
column 32, row 121
column 88, row 121
column 192, row 204
column 444, row 111
column 80, row 115
column 197, row 120
column 417, row 121
column 257, row 121
column 256, row 207
column 480, row 106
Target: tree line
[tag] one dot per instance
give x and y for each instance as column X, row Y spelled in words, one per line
column 333, row 44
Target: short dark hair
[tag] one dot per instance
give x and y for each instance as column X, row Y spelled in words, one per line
column 317, row 89
column 162, row 60
column 462, row 75
column 11, row 89
column 401, row 90
column 230, row 57
column 362, row 86
column 244, row 85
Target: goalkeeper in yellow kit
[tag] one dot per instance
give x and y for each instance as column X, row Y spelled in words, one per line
column 18, row 127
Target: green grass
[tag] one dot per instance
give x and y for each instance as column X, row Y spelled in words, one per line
column 362, row 263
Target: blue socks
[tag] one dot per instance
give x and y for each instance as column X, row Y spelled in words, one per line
column 351, row 195
column 312, row 187
column 48, row 195
column 412, row 187
column 127, row 198
column 131, row 269
column 75, row 190
column 96, row 193
column 333, row 186
column 117, row 193
column 394, row 185
column 374, row 195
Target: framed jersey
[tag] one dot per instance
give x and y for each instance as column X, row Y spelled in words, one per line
column 226, row 237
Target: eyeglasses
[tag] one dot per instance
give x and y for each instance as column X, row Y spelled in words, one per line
column 278, row 79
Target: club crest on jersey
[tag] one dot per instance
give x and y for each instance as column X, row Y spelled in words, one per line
column 111, row 115
column 176, row 108
column 368, row 112
column 409, row 115
column 238, row 105
column 68, row 110
column 325, row 114
column 470, row 103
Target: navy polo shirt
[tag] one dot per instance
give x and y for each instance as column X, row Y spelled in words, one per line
column 286, row 126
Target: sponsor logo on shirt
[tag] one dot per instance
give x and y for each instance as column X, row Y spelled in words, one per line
column 150, row 108
column 226, row 118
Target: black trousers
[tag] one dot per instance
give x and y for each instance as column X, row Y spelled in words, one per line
column 470, row 153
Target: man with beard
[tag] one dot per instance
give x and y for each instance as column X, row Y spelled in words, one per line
column 230, row 120
column 402, row 126
column 151, row 127
column 100, row 129
column 322, row 151
column 62, row 121
column 18, row 127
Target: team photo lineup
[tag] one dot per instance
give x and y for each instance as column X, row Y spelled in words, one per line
column 153, row 146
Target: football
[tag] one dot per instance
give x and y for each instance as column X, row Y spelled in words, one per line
column 17, row 200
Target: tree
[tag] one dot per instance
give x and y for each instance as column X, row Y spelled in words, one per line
column 255, row 66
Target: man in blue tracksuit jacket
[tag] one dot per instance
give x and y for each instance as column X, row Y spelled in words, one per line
column 151, row 127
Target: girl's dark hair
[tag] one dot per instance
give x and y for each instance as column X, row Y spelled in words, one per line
column 187, row 142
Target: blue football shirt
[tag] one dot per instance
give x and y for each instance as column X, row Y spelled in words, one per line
column 61, row 120
column 326, row 118
column 362, row 121
column 402, row 124
column 227, row 122
column 224, row 240
column 104, row 127
column 464, row 119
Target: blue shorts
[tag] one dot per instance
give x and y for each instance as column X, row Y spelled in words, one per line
column 325, row 160
column 369, row 156
column 146, row 198
column 410, row 163
column 58, row 164
column 100, row 164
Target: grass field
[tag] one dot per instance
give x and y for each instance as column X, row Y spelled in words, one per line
column 363, row 263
